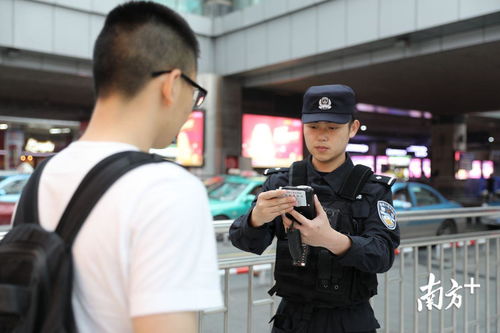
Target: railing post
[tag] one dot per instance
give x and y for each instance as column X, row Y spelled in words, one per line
column 466, row 274
column 488, row 319
column 415, row 287
column 226, row 300
column 250, row 300
column 476, row 258
column 498, row 279
column 273, row 305
column 441, row 272
column 454, row 276
column 401, row 290
column 386, row 302
column 429, row 269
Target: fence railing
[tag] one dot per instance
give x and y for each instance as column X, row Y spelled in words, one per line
column 223, row 226
column 461, row 261
column 457, row 257
column 396, row 306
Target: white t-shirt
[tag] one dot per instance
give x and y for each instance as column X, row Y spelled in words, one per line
column 147, row 247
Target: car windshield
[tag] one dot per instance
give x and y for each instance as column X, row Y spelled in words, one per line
column 13, row 187
column 227, row 191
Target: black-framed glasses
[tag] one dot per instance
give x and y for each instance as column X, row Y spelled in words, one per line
column 199, row 92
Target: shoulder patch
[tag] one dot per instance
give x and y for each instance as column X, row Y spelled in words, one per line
column 270, row 171
column 387, row 181
column 387, row 214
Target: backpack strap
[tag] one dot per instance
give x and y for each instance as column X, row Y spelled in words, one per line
column 27, row 207
column 355, row 181
column 93, row 187
column 298, row 173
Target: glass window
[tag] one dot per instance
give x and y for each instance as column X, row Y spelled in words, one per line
column 191, row 6
column 172, row 4
column 184, row 6
column 425, row 197
column 227, row 191
column 16, row 187
column 208, row 7
column 401, row 195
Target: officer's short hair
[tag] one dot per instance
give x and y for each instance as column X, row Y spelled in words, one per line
column 137, row 39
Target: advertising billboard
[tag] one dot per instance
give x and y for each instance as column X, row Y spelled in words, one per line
column 188, row 147
column 366, row 160
column 271, row 141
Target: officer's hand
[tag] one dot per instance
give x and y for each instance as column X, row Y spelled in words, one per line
column 315, row 232
column 318, row 232
column 269, row 205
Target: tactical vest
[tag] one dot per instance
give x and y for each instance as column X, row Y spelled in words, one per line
column 324, row 282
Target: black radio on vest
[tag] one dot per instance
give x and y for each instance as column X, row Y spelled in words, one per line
column 324, row 282
column 304, row 195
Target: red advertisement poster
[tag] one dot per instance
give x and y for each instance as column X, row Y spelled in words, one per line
column 271, row 141
column 190, row 141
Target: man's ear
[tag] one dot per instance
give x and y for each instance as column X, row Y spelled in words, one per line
column 170, row 86
column 354, row 128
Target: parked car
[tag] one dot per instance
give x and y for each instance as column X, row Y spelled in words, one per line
column 492, row 222
column 233, row 195
column 411, row 196
column 213, row 182
column 6, row 211
column 11, row 187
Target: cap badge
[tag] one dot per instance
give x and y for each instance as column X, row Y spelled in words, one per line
column 325, row 103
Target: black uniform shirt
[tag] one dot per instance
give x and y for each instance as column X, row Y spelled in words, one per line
column 371, row 251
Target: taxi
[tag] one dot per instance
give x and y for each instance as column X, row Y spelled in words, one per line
column 232, row 195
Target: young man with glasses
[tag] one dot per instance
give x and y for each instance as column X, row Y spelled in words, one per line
column 145, row 260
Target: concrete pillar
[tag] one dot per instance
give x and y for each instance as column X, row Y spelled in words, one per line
column 222, row 122
column 230, row 117
column 449, row 134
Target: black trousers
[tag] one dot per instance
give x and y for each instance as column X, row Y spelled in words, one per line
column 294, row 317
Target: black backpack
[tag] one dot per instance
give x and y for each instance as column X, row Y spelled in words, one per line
column 36, row 270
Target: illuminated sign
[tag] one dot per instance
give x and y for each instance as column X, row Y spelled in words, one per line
column 188, row 148
column 418, row 151
column 488, row 168
column 368, row 161
column 35, row 146
column 357, row 148
column 426, row 167
column 395, row 152
column 415, row 168
column 401, row 161
column 479, row 169
column 271, row 141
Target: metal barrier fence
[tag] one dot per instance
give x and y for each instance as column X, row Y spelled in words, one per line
column 463, row 260
column 396, row 306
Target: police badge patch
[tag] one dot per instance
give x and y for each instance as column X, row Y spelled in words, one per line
column 387, row 214
column 325, row 103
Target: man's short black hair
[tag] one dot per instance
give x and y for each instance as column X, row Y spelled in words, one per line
column 137, row 39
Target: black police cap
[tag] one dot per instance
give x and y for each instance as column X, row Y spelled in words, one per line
column 331, row 103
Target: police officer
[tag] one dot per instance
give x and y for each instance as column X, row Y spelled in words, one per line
column 352, row 238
